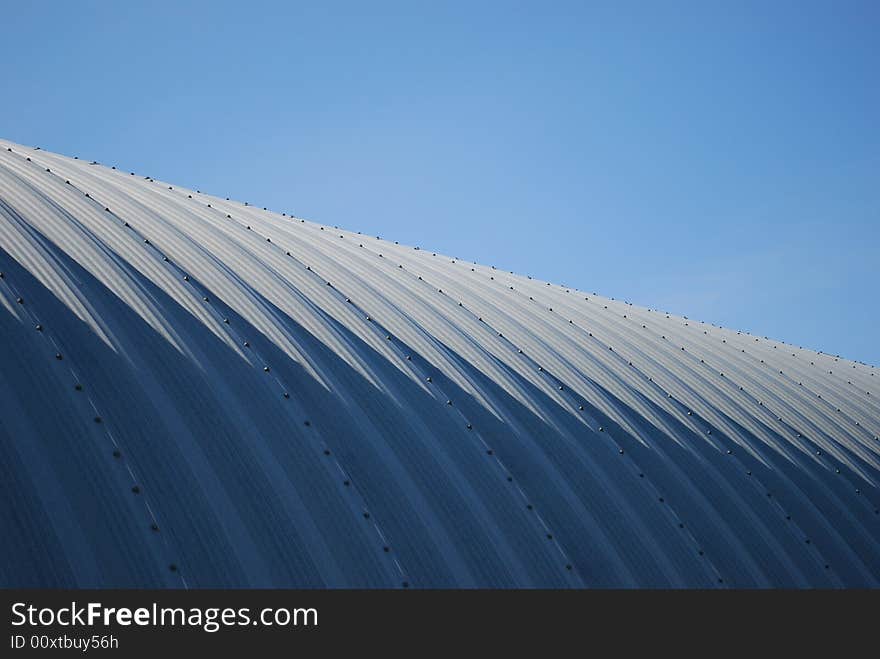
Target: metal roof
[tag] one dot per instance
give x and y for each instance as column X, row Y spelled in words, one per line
column 198, row 392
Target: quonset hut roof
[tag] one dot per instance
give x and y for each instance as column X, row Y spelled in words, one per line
column 197, row 392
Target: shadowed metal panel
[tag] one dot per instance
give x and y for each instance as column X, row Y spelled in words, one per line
column 196, row 392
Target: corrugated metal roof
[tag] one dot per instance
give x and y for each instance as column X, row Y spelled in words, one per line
column 198, row 392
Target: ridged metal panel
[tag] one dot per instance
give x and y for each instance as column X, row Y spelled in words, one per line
column 195, row 392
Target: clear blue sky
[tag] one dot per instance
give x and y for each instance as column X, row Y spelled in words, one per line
column 716, row 159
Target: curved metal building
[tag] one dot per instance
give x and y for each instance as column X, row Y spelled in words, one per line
column 195, row 392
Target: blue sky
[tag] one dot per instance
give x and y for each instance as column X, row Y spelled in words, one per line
column 714, row 159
